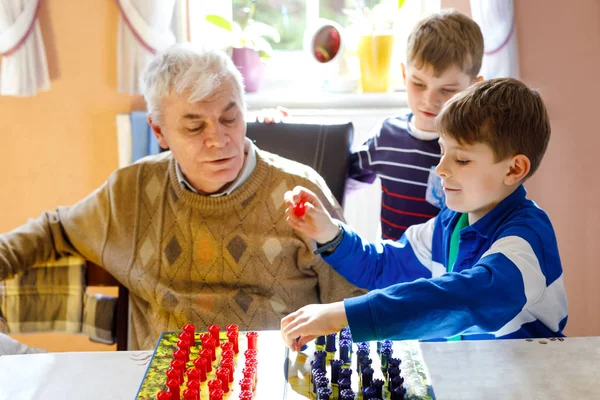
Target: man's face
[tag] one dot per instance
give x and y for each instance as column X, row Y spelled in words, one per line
column 206, row 138
column 427, row 93
column 474, row 182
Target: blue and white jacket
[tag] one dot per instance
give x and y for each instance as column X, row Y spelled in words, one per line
column 507, row 281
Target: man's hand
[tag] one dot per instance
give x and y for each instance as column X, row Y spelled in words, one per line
column 314, row 221
column 311, row 321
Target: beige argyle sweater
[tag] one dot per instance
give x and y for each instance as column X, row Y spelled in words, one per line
column 188, row 258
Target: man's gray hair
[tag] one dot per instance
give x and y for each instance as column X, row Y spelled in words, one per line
column 183, row 67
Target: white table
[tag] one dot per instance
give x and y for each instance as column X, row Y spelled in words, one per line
column 515, row 369
column 506, row 369
column 94, row 375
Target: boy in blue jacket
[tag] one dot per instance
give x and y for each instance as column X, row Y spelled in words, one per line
column 487, row 267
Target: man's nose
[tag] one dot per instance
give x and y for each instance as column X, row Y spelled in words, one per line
column 216, row 136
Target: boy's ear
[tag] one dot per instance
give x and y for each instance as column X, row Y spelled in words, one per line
column 519, row 168
column 403, row 72
column 156, row 129
column 479, row 79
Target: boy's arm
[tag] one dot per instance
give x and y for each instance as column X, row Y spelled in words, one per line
column 379, row 265
column 483, row 299
column 76, row 230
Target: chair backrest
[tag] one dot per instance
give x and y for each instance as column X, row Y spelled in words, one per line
column 325, row 148
column 97, row 276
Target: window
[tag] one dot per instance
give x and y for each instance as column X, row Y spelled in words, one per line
column 291, row 67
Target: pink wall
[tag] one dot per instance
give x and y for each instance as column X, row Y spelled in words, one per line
column 559, row 50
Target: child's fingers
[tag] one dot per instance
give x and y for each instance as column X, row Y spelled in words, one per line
column 303, row 340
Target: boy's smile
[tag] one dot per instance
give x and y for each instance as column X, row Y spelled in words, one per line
column 427, row 92
column 474, row 182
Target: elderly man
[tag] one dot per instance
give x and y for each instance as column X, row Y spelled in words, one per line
column 198, row 234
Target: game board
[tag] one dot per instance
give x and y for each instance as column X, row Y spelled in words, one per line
column 155, row 378
column 412, row 370
column 280, row 373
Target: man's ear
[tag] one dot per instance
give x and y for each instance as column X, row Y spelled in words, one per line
column 403, row 72
column 156, row 129
column 518, row 169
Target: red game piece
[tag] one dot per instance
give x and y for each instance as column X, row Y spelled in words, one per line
column 194, row 384
column 227, row 346
column 228, row 354
column 180, row 355
column 250, row 373
column 210, row 344
column 184, row 345
column 173, row 373
column 200, row 364
column 216, row 394
column 164, row 395
column 179, row 365
column 214, row 384
column 214, row 332
column 246, row 384
column 228, row 364
column 173, row 385
column 252, row 362
column 246, row 395
column 192, row 373
column 232, row 328
column 252, row 338
column 233, row 338
column 251, row 353
column 207, row 353
column 190, row 394
column 191, row 329
column 223, row 375
column 300, row 209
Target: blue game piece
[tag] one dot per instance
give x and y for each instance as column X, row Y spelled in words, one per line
column 368, row 392
column 397, row 393
column 378, row 385
column 367, row 376
column 345, row 351
column 336, row 367
column 320, row 340
column 323, row 393
column 346, row 394
column 330, row 343
column 386, row 354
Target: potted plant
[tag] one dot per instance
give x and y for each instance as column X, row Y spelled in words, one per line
column 250, row 45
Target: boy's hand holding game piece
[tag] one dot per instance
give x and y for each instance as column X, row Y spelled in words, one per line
column 311, row 321
column 307, row 215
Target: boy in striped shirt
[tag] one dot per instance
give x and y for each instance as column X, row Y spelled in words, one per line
column 444, row 55
column 487, row 267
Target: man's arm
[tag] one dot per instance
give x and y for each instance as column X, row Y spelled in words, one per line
column 76, row 230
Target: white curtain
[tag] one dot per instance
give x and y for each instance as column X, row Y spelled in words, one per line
column 24, row 67
column 144, row 29
column 497, row 21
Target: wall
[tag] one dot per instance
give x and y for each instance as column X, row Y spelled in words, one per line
column 559, row 54
column 60, row 145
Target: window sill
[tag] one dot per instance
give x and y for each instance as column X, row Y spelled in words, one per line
column 318, row 99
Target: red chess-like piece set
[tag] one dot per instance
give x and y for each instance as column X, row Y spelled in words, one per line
column 203, row 365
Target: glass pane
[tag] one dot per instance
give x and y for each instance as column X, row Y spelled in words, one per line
column 340, row 11
column 288, row 17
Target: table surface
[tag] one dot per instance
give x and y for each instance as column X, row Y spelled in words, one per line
column 503, row 369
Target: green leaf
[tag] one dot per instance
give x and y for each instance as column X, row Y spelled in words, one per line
column 220, row 22
column 400, row 4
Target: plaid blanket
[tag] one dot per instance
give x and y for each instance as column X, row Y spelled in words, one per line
column 51, row 297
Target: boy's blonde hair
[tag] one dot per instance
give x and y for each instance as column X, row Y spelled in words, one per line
column 502, row 113
column 444, row 39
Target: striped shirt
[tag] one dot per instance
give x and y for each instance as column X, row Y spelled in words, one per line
column 507, row 281
column 405, row 164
